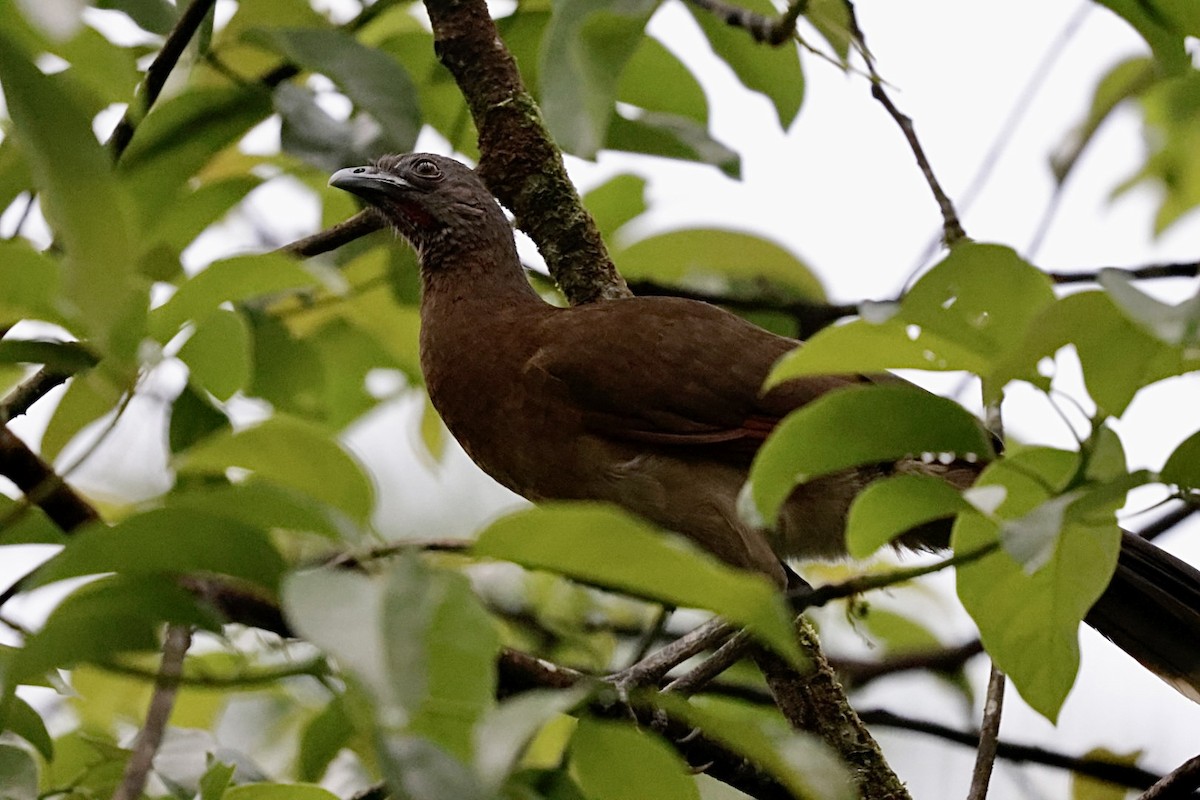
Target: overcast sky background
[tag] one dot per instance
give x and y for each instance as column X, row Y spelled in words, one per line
column 841, row 189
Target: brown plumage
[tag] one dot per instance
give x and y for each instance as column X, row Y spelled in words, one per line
column 654, row 404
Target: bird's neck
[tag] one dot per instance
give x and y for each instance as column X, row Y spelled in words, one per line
column 475, row 266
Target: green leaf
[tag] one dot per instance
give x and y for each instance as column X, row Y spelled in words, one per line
column 348, row 354
column 278, row 791
column 1173, row 324
column 604, row 546
column 18, row 774
column 63, row 357
column 323, row 738
column 218, row 354
column 108, row 617
column 309, row 133
column 859, row 425
column 21, row 719
column 615, row 202
column 1162, row 32
column 860, row 346
column 671, row 136
column 31, row 283
column 773, row 72
column 55, row 135
column 292, row 453
column 832, row 20
column 89, row 396
column 585, row 48
column 375, row 82
column 1183, row 465
column 155, row 16
column 801, row 762
column 503, row 734
column 168, row 540
column 619, row 762
column 417, row 769
column 180, row 136
column 27, row 525
column 892, row 506
column 1029, row 620
column 231, row 280
column 654, row 79
column 215, row 780
column 699, row 256
column 194, row 417
column 422, row 645
column 191, row 213
column 262, row 505
column 980, row 296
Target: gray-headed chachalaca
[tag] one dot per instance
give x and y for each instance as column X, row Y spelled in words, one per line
column 654, row 404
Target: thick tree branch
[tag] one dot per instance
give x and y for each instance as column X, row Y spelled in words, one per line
column 158, row 72
column 162, row 701
column 762, row 29
column 41, row 485
column 519, row 161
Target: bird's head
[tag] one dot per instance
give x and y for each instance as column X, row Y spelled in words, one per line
column 429, row 199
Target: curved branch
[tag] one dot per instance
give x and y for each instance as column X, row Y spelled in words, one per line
column 762, row 29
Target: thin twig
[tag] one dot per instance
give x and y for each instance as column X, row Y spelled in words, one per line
column 361, row 224
column 162, row 701
column 952, row 229
column 1182, row 782
column 1168, row 521
column 651, row 669
column 725, row 657
column 762, row 28
column 25, row 394
column 1177, row 269
column 989, row 736
column 158, row 72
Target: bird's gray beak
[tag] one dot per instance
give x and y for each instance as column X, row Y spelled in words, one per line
column 368, row 181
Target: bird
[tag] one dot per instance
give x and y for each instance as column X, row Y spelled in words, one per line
column 654, row 404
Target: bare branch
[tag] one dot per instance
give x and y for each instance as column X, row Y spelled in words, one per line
column 25, row 394
column 1182, row 269
column 762, row 29
column 725, row 657
column 361, row 224
column 989, row 737
column 158, row 72
column 162, row 701
column 1180, row 783
column 650, row 670
column 41, row 485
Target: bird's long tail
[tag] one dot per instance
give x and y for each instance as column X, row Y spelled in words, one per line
column 1151, row 610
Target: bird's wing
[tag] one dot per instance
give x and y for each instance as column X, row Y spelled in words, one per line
column 673, row 372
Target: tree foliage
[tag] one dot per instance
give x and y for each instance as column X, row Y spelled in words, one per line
column 399, row 662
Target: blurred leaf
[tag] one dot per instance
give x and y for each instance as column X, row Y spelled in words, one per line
column 619, row 762
column 615, row 202
column 700, row 256
column 1084, row 787
column 27, row 525
column 155, row 16
column 215, row 781
column 891, row 506
column 604, row 546
column 375, row 82
column 192, row 212
column 323, row 738
column 88, row 397
column 231, row 280
column 262, row 505
column 21, row 719
column 180, row 135
column 14, row 172
column 1029, row 620
column 862, row 347
column 417, row 769
column 107, row 617
column 670, row 136
column 1173, row 324
column 859, row 425
column 503, row 733
column 433, row 431
column 1164, row 32
column 168, row 540
column 832, row 20
column 55, row 135
column 218, row 354
column 18, row 774
column 654, row 79
column 58, row 19
column 423, row 646
column 586, row 47
column 348, row 354
column 109, row 71
column 278, row 791
column 1125, row 80
column 57, row 356
column 801, row 762
column 288, row 372
column 899, row 634
column 85, row 762
column 773, row 72
column 310, row 134
column 193, row 417
column 292, row 453
column 1183, row 465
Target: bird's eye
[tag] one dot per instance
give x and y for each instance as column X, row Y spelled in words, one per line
column 426, row 169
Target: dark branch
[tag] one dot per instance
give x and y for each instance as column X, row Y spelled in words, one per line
column 158, row 72
column 762, row 29
column 41, row 485
column 25, row 394
column 1183, row 269
column 1183, row 782
column 1167, row 521
column 361, row 224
